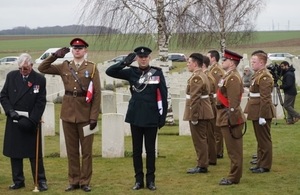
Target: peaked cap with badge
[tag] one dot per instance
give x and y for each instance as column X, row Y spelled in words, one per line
column 232, row 55
column 78, row 42
column 142, row 51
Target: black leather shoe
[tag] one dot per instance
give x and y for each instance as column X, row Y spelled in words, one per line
column 86, row 188
column 253, row 168
column 16, row 186
column 211, row 163
column 197, row 170
column 220, row 156
column 226, row 182
column 260, row 170
column 72, row 187
column 151, row 186
column 43, row 186
column 253, row 162
column 138, row 186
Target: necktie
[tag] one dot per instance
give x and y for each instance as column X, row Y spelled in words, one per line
column 24, row 78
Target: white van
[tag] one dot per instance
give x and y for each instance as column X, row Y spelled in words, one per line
column 68, row 56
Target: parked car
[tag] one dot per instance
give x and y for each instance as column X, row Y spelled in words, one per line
column 280, row 56
column 49, row 51
column 117, row 59
column 8, row 60
column 177, row 57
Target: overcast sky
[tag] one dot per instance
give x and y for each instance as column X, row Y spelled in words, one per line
column 278, row 14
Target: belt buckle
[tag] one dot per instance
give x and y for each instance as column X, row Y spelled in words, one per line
column 74, row 93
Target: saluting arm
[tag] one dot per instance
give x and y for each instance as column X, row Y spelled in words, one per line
column 47, row 67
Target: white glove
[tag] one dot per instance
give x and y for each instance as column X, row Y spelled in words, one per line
column 262, row 121
column 194, row 122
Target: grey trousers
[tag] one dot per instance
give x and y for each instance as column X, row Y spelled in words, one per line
column 289, row 101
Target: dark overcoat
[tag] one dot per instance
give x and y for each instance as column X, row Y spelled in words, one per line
column 29, row 96
column 143, row 108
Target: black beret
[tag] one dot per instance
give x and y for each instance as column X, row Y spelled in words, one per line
column 142, row 51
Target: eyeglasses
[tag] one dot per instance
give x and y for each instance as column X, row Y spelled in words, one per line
column 24, row 68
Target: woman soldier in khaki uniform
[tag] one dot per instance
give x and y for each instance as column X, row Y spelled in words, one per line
column 261, row 110
column 198, row 111
column 230, row 117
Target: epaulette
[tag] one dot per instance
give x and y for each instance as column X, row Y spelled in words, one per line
column 264, row 76
column 230, row 77
column 90, row 62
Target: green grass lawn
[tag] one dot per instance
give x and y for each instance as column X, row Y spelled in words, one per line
column 101, row 48
column 175, row 155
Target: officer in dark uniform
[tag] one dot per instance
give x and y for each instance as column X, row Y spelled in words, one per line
column 147, row 109
column 230, row 117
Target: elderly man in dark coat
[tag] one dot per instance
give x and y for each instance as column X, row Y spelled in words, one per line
column 23, row 98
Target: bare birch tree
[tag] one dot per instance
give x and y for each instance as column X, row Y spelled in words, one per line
column 194, row 22
column 159, row 18
column 229, row 21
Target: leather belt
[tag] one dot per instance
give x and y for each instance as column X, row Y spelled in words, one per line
column 220, row 106
column 75, row 93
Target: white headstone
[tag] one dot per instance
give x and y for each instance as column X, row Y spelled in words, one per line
column 112, row 135
column 48, row 124
column 184, row 127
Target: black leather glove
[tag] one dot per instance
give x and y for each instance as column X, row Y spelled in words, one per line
column 129, row 59
column 60, row 53
column 26, row 124
column 93, row 124
column 13, row 114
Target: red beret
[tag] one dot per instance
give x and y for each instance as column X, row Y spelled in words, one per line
column 77, row 42
column 232, row 55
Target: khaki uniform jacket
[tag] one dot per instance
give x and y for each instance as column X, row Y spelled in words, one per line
column 213, row 89
column 198, row 105
column 231, row 87
column 262, row 84
column 76, row 109
column 217, row 72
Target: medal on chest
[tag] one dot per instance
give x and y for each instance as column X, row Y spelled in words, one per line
column 221, row 82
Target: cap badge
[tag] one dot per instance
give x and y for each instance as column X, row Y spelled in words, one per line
column 142, row 50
